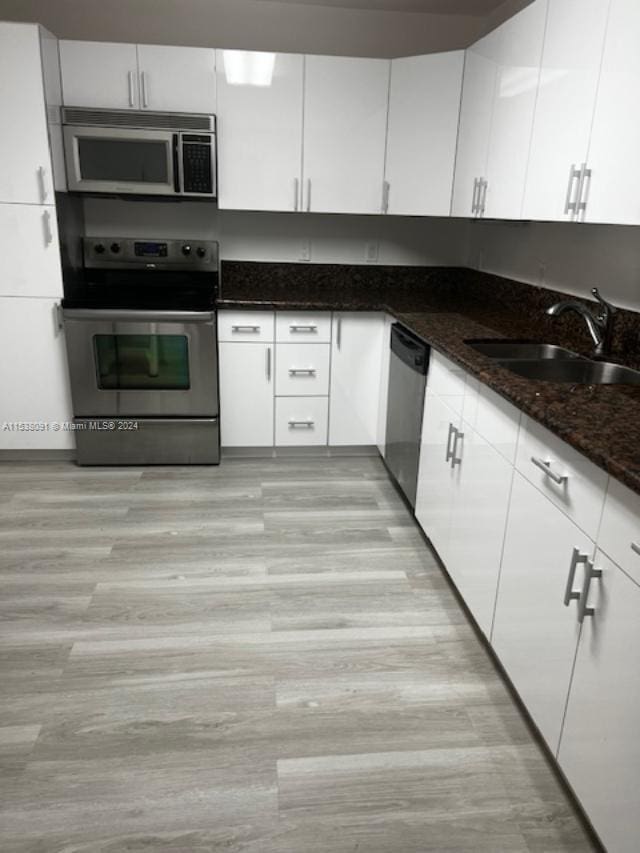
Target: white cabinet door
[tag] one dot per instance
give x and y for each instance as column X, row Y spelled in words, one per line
column 356, row 360
column 260, row 133
column 600, row 749
column 478, row 519
column 478, row 88
column 614, row 194
column 534, row 633
column 246, row 394
column 34, row 378
column 437, row 478
column 99, row 74
column 177, row 79
column 571, row 59
column 520, row 53
column 302, row 370
column 25, row 162
column 345, row 122
column 30, row 251
column 424, row 106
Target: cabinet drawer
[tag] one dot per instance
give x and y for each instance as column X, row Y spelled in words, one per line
column 492, row 417
column 253, row 326
column 573, row 483
column 620, row 529
column 302, row 326
column 301, row 421
column 302, row 370
column 447, row 380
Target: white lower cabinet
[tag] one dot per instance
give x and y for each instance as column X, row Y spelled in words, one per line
column 534, row 632
column 358, row 340
column 246, row 394
column 34, row 380
column 600, row 749
column 302, row 370
column 301, row 421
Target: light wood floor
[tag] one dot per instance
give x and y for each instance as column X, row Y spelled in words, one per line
column 259, row 657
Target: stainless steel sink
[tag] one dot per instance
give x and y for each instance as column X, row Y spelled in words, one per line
column 579, row 372
column 505, row 349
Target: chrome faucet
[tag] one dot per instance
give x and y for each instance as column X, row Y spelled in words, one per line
column 600, row 325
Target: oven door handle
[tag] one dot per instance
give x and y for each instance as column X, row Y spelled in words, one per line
column 118, row 315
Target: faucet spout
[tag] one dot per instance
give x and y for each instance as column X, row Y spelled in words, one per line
column 593, row 325
column 599, row 326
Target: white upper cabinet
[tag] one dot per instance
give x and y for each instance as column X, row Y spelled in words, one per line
column 519, row 55
column 569, row 76
column 424, row 105
column 476, row 110
column 614, row 191
column 358, row 341
column 259, row 130
column 345, row 119
column 25, row 161
column 111, row 75
column 99, row 74
column 178, row 79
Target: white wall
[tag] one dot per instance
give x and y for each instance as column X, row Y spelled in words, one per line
column 562, row 256
column 283, row 236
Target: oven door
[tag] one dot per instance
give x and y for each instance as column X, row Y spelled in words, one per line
column 142, row 363
column 120, row 160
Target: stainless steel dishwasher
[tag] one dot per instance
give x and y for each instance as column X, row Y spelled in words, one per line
column 407, row 379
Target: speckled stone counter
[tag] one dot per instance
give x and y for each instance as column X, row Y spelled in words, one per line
column 448, row 306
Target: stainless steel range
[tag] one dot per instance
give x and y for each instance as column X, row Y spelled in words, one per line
column 140, row 328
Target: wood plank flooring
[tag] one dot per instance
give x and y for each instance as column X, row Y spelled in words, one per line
column 261, row 657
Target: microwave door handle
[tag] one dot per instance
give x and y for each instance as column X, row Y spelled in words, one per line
column 176, row 163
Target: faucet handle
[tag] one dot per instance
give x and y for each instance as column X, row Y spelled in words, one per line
column 607, row 307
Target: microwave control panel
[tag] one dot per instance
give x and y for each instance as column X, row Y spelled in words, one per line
column 197, row 164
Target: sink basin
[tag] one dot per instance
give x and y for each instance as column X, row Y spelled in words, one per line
column 577, row 371
column 504, row 349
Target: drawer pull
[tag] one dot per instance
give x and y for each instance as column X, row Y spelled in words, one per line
column 577, row 558
column 245, row 328
column 545, row 466
column 303, row 328
column 304, row 424
column 635, row 548
column 589, row 574
column 302, row 371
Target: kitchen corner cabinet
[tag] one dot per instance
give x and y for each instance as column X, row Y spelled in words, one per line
column 357, row 346
column 246, row 394
column 424, row 106
column 34, row 377
column 25, row 161
column 111, row 75
column 260, row 137
column 345, row 120
column 571, row 59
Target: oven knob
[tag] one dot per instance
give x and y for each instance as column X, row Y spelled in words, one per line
column 200, row 252
column 186, row 249
column 115, row 248
column 98, row 248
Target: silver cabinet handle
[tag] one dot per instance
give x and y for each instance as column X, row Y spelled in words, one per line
column 583, row 191
column 308, row 195
column 635, row 548
column 455, row 459
column 386, row 187
column 132, row 93
column 576, row 559
column 59, row 317
column 449, row 454
column 571, row 202
column 298, row 327
column 293, row 424
column 48, row 233
column 145, row 99
column 302, row 371
column 589, row 574
column 482, row 196
column 245, row 328
column 339, row 332
column 474, row 199
column 545, row 466
column 42, row 180
column 296, row 193
column 267, row 366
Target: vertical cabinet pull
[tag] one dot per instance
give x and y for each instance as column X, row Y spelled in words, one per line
column 132, row 92
column 474, row 199
column 296, row 193
column 576, row 559
column 42, row 180
column 339, row 332
column 145, row 95
column 46, row 223
column 386, row 187
column 571, row 201
column 449, row 454
column 483, row 183
column 308, row 195
column 452, row 447
column 267, row 366
column 589, row 574
column 583, row 192
column 635, row 548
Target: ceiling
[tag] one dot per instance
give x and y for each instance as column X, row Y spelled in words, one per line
column 439, row 7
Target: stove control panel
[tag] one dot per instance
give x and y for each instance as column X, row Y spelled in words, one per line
column 128, row 252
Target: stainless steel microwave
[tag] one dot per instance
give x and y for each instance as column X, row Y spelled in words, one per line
column 140, row 152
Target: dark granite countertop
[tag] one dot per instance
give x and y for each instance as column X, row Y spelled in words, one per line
column 446, row 307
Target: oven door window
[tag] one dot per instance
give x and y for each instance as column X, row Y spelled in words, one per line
column 137, row 161
column 142, row 362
